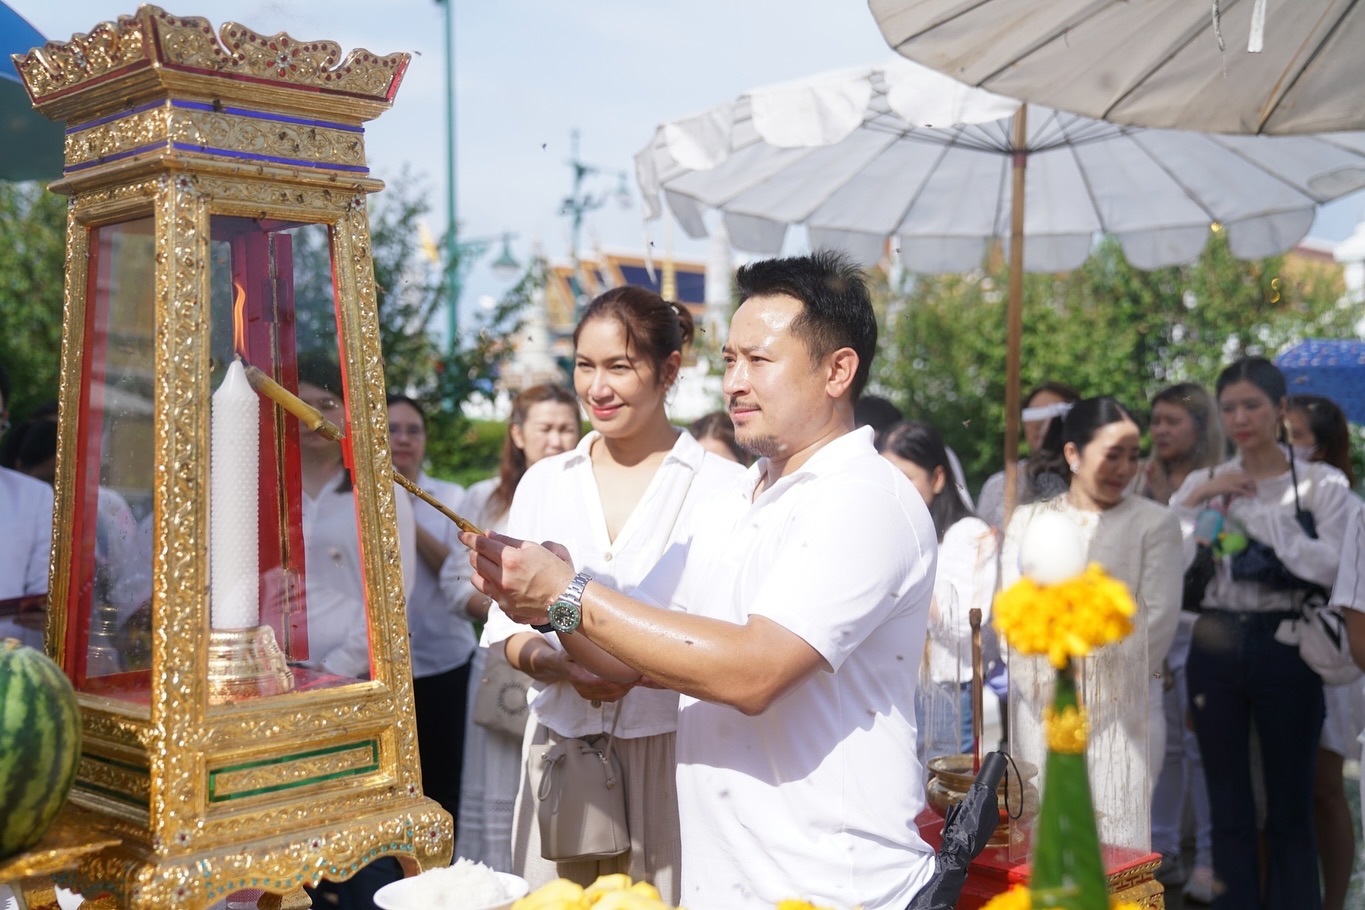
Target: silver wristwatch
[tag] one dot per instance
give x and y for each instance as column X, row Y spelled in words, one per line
column 567, row 612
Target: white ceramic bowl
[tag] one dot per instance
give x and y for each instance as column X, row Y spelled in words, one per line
column 405, row 894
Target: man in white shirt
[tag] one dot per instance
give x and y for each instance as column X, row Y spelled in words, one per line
column 1349, row 593
column 799, row 598
column 1349, row 590
column 25, row 541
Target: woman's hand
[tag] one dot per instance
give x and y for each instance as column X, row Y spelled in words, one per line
column 593, row 687
column 1229, row 483
column 1158, row 481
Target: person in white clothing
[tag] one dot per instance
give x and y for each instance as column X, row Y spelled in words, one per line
column 544, row 422
column 799, row 602
column 338, row 637
column 1349, row 593
column 880, row 414
column 1349, row 589
column 616, row 501
column 1043, row 405
column 968, row 565
column 440, row 632
column 1186, row 437
column 1137, row 542
column 1240, row 675
column 26, row 529
column 1318, row 432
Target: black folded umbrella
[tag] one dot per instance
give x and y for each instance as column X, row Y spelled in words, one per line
column 967, row 827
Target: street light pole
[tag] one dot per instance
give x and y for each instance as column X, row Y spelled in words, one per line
column 580, row 202
column 452, row 223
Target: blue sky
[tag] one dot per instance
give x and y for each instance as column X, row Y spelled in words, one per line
column 531, row 71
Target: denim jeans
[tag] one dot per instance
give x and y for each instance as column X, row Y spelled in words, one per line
column 1237, row 674
column 944, row 727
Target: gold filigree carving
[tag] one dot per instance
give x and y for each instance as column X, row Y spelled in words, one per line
column 153, row 36
column 358, row 319
column 132, row 783
column 279, row 864
column 267, row 137
column 180, row 563
column 57, row 66
column 325, row 203
column 345, row 715
column 91, row 202
column 290, row 772
column 156, row 129
column 110, row 727
column 312, row 63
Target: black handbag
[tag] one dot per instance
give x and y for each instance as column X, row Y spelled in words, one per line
column 1197, row 578
column 1260, row 563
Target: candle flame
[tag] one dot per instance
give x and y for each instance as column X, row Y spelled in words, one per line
column 239, row 318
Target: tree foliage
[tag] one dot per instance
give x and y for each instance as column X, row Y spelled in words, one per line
column 32, row 261
column 410, row 293
column 1105, row 328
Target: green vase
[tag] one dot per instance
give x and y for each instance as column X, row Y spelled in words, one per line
column 1067, row 869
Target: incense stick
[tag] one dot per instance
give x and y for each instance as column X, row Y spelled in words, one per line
column 312, row 418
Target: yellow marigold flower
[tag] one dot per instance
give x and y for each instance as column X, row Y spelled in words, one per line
column 1017, row 898
column 1066, row 620
column 1066, row 732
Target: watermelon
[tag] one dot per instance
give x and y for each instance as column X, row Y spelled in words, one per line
column 40, row 744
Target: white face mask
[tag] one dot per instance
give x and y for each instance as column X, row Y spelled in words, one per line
column 1304, row 453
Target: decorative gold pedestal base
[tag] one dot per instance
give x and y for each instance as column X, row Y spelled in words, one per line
column 246, row 663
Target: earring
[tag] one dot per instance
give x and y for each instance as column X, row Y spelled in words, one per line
column 1075, row 466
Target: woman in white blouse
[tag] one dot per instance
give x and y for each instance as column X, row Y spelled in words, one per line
column 965, row 580
column 1239, row 673
column 1137, row 542
column 544, row 422
column 613, row 502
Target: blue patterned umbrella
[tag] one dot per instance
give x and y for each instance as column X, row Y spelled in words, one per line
column 1331, row 368
column 31, row 146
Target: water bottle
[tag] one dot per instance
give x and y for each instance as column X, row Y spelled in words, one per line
column 1207, row 526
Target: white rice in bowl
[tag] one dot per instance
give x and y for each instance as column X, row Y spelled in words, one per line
column 466, row 885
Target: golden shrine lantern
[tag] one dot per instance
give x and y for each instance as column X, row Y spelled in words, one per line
column 218, row 226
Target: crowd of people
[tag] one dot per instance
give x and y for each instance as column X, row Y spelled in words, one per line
column 767, row 613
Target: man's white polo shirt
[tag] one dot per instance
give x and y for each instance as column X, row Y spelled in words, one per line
column 815, row 798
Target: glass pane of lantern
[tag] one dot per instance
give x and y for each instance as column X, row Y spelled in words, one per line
column 943, row 700
column 1113, row 685
column 273, row 306
column 111, row 536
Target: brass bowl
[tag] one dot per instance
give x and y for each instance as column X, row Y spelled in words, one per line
column 950, row 776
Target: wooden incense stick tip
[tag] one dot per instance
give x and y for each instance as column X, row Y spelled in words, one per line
column 308, row 415
column 461, row 522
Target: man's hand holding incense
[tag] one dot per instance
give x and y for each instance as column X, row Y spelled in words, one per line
column 523, row 577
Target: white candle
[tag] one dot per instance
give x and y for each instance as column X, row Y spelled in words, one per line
column 234, row 561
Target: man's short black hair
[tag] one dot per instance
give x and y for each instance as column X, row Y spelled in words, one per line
column 837, row 309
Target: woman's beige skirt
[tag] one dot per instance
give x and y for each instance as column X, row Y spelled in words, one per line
column 648, row 767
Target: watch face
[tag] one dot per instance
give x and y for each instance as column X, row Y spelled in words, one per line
column 564, row 616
